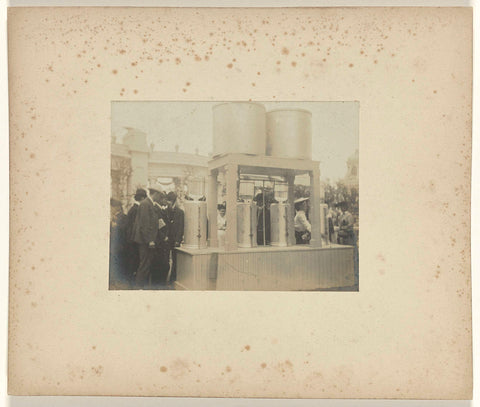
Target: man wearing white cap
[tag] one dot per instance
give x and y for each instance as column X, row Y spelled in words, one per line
column 303, row 228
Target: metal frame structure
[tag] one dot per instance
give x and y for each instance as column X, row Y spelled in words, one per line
column 232, row 164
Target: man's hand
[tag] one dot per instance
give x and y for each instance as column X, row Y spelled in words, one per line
column 151, row 245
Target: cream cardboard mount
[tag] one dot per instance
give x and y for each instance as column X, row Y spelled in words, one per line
column 405, row 334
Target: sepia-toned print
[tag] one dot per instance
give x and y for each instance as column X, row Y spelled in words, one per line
column 234, row 196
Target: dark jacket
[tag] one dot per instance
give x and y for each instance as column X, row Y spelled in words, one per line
column 146, row 223
column 162, row 233
column 131, row 216
column 175, row 218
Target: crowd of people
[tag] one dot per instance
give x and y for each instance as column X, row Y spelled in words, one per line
column 142, row 242
column 340, row 224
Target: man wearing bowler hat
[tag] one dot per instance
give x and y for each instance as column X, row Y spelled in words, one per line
column 145, row 231
column 133, row 257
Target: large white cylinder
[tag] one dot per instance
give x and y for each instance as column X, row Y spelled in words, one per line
column 195, row 228
column 278, row 224
column 289, row 133
column 246, row 224
column 239, row 127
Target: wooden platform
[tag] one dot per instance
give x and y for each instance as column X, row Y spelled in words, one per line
column 266, row 268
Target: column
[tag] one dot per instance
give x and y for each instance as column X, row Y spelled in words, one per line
column 231, row 178
column 316, row 240
column 212, row 209
column 291, row 209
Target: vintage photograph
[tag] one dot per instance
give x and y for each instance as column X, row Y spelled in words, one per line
column 230, row 263
column 234, row 196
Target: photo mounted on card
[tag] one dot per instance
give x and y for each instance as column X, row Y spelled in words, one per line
column 187, row 190
column 265, row 199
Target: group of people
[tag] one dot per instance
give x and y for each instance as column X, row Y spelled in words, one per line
column 341, row 225
column 143, row 242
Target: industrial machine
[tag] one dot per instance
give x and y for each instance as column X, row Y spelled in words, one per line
column 257, row 156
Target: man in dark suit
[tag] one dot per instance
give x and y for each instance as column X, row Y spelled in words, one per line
column 160, row 263
column 175, row 218
column 144, row 234
column 133, row 256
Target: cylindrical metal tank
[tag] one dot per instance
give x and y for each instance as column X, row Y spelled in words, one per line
column 246, row 224
column 278, row 224
column 195, row 228
column 289, row 133
column 239, row 127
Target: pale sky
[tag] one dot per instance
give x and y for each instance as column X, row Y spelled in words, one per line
column 189, row 124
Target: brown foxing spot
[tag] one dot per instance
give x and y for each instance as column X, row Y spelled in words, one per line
column 32, row 155
column 163, row 369
column 98, row 370
column 247, row 347
column 228, row 369
column 114, row 71
column 135, row 91
column 230, row 66
column 285, row 51
column 34, row 304
column 178, row 61
column 350, row 65
column 263, row 365
column 294, row 63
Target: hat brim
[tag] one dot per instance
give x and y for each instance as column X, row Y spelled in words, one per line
column 300, row 200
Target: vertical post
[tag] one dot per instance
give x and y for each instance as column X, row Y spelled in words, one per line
column 212, row 209
column 316, row 240
column 231, row 214
column 291, row 209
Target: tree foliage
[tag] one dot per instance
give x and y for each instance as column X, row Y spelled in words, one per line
column 339, row 192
